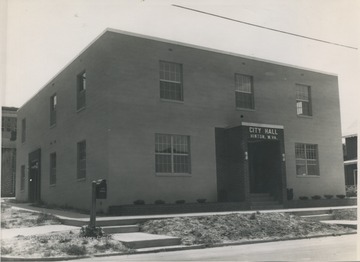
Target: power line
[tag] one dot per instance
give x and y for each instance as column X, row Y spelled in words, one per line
column 264, row 27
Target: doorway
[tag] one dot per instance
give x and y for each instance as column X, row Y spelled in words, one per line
column 265, row 167
column 35, row 176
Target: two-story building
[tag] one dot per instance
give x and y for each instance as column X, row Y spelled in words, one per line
column 165, row 120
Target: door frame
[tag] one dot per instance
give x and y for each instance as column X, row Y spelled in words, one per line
column 34, row 178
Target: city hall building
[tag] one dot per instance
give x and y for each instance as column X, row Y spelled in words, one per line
column 162, row 120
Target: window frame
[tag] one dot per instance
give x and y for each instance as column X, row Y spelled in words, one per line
column 81, row 162
column 238, row 91
column 81, row 87
column 53, row 109
column 308, row 101
column 172, row 155
column 52, row 178
column 171, row 81
column 307, row 160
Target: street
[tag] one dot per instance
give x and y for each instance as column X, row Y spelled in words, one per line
column 339, row 248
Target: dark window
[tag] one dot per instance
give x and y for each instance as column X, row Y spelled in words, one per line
column 53, row 104
column 303, row 100
column 52, row 168
column 81, row 159
column 23, row 130
column 22, row 178
column 244, row 91
column 172, row 154
column 307, row 160
column 81, row 91
column 171, row 81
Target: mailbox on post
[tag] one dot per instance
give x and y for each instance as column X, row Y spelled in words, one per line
column 101, row 189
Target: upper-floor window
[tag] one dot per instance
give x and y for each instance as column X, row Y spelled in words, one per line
column 303, row 100
column 171, row 81
column 172, row 154
column 23, row 130
column 244, row 91
column 53, row 105
column 22, row 178
column 52, row 168
column 81, row 159
column 307, row 159
column 81, row 91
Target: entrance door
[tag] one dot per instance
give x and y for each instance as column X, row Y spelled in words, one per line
column 265, row 167
column 34, row 176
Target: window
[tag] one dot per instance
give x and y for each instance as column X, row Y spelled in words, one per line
column 171, row 81
column 306, row 160
column 53, row 103
column 23, row 130
column 52, row 168
column 172, row 154
column 303, row 100
column 22, row 178
column 81, row 159
column 244, row 91
column 81, row 91
column 2, row 123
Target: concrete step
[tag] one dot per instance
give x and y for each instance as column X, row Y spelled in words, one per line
column 266, row 207
column 144, row 240
column 311, row 212
column 120, row 229
column 320, row 217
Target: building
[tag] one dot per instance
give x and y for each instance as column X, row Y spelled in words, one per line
column 165, row 120
column 350, row 159
column 8, row 151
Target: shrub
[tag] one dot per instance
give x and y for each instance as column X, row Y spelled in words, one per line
column 159, row 202
column 340, row 196
column 43, row 217
column 316, row 197
column 201, row 200
column 87, row 231
column 180, row 201
column 328, row 196
column 75, row 250
column 303, row 198
column 139, row 202
column 351, row 191
column 6, row 250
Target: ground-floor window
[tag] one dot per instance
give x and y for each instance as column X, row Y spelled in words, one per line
column 172, row 154
column 307, row 161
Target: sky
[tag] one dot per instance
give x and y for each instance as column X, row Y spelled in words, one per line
column 40, row 37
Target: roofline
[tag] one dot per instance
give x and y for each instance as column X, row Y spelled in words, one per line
column 170, row 42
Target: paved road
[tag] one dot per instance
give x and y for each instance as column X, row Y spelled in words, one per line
column 340, row 248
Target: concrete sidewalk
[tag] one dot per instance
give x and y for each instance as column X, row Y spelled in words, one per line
column 31, row 231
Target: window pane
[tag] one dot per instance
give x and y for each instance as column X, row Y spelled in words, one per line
column 243, row 83
column 244, row 100
column 300, row 151
column 181, row 164
column 162, row 144
column 180, row 145
column 313, row 170
column 171, row 81
column 163, row 163
column 300, row 170
column 169, row 90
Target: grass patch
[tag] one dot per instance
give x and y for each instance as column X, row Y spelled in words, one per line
column 238, row 227
column 60, row 244
column 345, row 214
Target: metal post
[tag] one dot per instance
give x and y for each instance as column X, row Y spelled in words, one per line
column 93, row 206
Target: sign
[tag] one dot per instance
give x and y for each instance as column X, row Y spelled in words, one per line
column 101, row 189
column 263, row 133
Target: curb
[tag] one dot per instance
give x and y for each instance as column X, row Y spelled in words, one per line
column 169, row 249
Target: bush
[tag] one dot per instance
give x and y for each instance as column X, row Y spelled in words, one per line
column 303, row 198
column 340, row 196
column 351, row 191
column 87, row 231
column 159, row 202
column 201, row 200
column 75, row 250
column 316, row 197
column 43, row 217
column 139, row 202
column 328, row 196
column 5, row 250
column 180, row 201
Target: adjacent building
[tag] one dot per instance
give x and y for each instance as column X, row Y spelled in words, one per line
column 8, row 151
column 350, row 159
column 165, row 120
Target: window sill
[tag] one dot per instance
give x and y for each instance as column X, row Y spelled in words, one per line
column 173, row 175
column 308, row 176
column 80, row 109
column 304, row 116
column 52, row 185
column 53, row 126
column 81, row 179
column 245, row 109
column 172, row 101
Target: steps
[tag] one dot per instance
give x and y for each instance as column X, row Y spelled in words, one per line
column 144, row 240
column 263, row 201
column 120, row 229
column 315, row 215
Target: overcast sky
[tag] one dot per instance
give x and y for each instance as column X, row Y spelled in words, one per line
column 42, row 36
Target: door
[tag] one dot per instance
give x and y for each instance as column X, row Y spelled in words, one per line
column 265, row 167
column 35, row 176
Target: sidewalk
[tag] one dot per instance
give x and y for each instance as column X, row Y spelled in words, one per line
column 30, row 231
